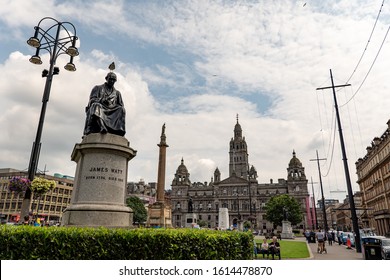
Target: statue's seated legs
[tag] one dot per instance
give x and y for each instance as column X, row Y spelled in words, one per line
column 103, row 128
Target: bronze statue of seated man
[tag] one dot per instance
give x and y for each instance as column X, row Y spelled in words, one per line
column 105, row 110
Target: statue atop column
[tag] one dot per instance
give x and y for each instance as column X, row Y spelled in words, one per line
column 105, row 110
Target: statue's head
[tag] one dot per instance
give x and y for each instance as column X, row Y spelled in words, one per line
column 111, row 75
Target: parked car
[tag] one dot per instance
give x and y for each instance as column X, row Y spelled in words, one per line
column 367, row 232
column 385, row 248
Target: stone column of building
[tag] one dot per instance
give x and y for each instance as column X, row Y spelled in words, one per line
column 161, row 166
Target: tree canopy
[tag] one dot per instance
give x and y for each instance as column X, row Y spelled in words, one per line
column 140, row 214
column 282, row 207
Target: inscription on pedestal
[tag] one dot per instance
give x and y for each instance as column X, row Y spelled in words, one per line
column 105, row 173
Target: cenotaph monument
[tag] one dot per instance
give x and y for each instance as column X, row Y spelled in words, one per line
column 160, row 212
column 98, row 197
column 223, row 218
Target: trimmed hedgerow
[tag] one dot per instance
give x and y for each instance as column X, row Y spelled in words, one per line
column 75, row 243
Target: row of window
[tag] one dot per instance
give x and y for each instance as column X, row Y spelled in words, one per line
column 8, row 195
column 16, row 207
column 238, row 146
column 376, row 176
column 226, row 192
column 232, row 205
column 4, row 188
column 372, row 162
column 373, row 193
column 200, row 217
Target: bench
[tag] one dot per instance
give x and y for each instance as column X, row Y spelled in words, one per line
column 274, row 253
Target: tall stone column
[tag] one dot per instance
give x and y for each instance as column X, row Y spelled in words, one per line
column 160, row 213
column 161, row 166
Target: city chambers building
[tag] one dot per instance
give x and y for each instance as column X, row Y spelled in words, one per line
column 241, row 193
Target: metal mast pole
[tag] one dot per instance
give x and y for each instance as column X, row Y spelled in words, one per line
column 346, row 169
column 315, row 220
column 322, row 193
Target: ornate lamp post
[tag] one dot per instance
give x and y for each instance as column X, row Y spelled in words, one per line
column 238, row 210
column 56, row 44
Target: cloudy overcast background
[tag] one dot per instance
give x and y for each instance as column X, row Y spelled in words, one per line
column 195, row 65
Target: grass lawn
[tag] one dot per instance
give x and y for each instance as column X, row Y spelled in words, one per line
column 290, row 249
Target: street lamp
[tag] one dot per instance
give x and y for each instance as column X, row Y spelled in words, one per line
column 251, row 218
column 238, row 208
column 48, row 39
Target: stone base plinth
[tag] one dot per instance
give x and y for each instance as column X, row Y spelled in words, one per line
column 98, row 197
column 191, row 220
column 286, row 230
column 159, row 215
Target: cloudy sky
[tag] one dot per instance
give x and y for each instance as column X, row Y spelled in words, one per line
column 195, row 65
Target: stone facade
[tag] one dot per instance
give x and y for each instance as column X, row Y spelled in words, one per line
column 49, row 206
column 147, row 192
column 373, row 171
column 340, row 213
column 240, row 193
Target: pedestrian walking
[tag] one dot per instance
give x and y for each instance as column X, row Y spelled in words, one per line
column 330, row 238
column 307, row 235
column 340, row 237
column 321, row 241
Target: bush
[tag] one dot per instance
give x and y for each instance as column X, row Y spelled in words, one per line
column 72, row 243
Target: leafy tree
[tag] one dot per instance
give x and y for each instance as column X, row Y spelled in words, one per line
column 202, row 223
column 276, row 207
column 247, row 224
column 140, row 214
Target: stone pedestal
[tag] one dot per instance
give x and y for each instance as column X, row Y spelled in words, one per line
column 286, row 230
column 98, row 197
column 191, row 220
column 223, row 218
column 159, row 215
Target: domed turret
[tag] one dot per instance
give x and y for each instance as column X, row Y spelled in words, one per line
column 237, row 131
column 182, row 169
column 295, row 169
column 294, row 162
column 182, row 177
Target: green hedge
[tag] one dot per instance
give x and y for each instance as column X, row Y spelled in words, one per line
column 73, row 243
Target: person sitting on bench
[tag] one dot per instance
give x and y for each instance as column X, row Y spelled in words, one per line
column 264, row 248
column 274, row 247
